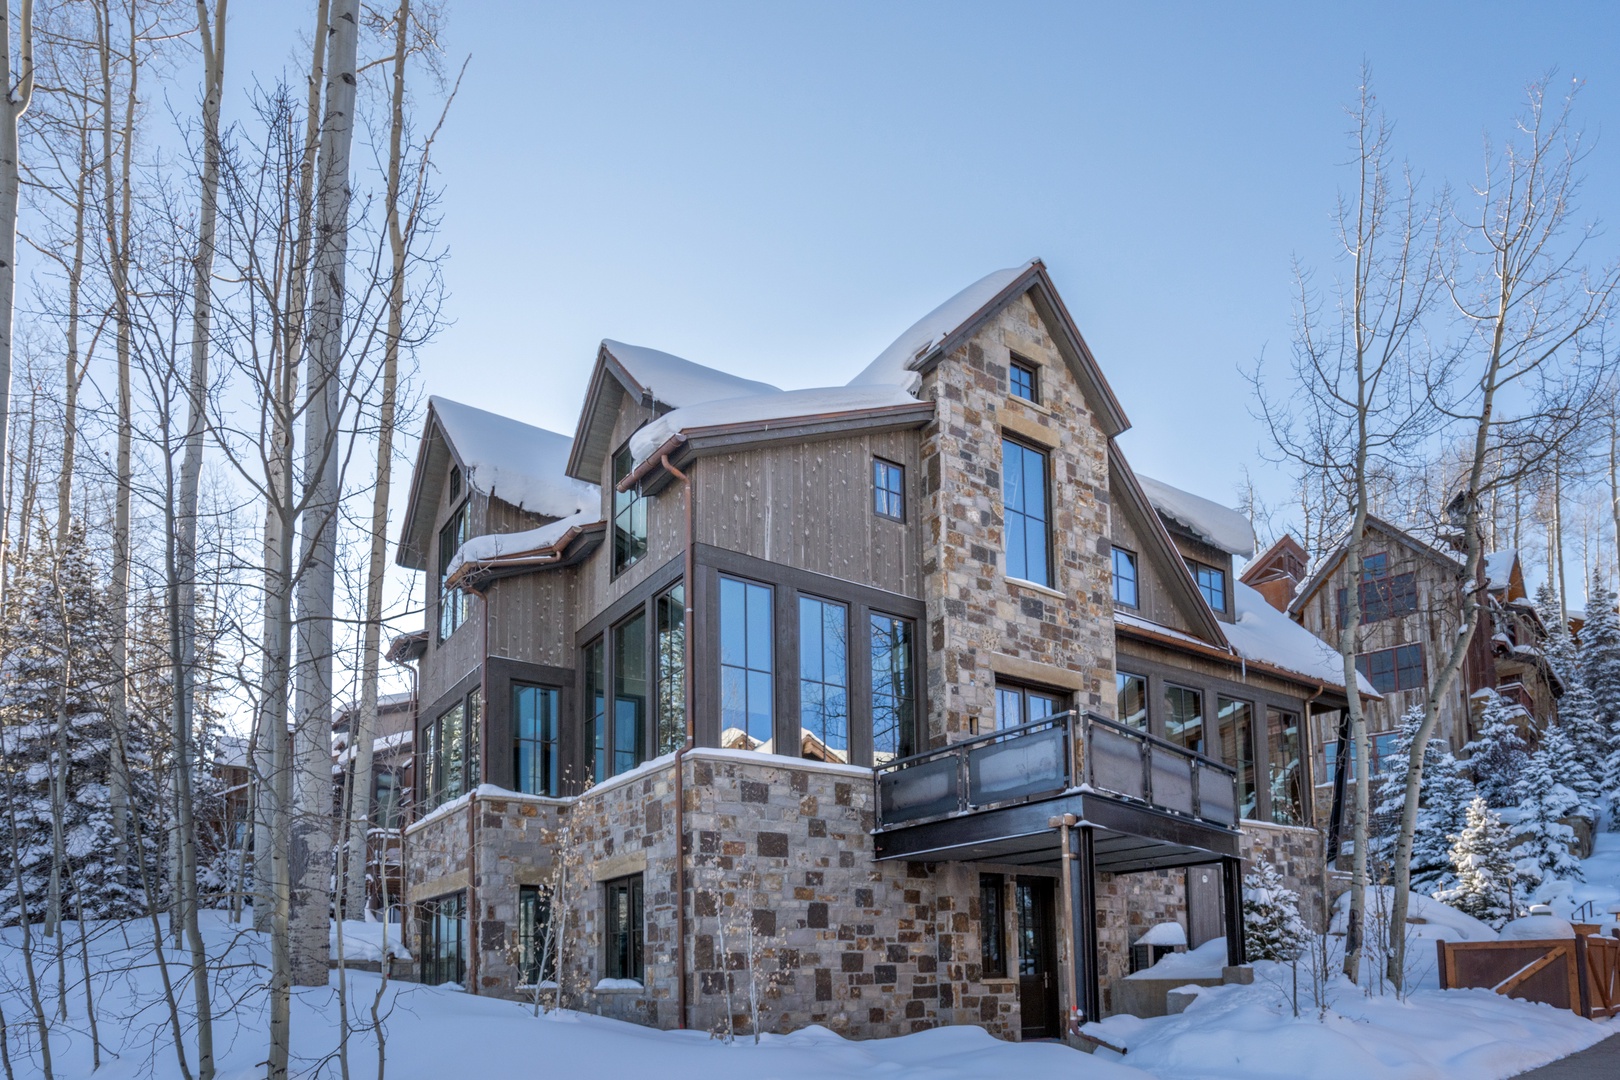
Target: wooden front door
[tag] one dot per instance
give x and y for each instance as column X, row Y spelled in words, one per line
column 1206, row 918
column 1037, row 959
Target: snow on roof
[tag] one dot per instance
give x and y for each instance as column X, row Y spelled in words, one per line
column 1499, row 569
column 516, row 462
column 1264, row 634
column 231, row 752
column 778, row 405
column 896, row 365
column 675, row 382
column 1221, row 526
column 493, row 545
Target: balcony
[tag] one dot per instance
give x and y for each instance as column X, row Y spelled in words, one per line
column 994, row 796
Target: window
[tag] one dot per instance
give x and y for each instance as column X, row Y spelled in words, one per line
column 1374, row 567
column 888, row 489
column 1023, row 380
column 1125, row 578
column 629, row 516
column 594, row 728
column 824, row 679
column 1211, row 582
column 537, row 951
column 747, row 712
column 1235, row 720
column 993, row 925
column 1130, row 693
column 669, row 612
column 1330, row 759
column 1383, row 751
column 623, row 929
column 442, row 939
column 1383, row 596
column 1018, row 704
column 1390, row 670
column 450, row 763
column 629, row 693
column 454, row 604
column 893, row 695
column 386, row 811
column 534, row 734
column 1184, row 717
column 1287, row 771
column 1023, row 496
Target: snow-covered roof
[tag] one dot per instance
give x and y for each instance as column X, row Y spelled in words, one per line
column 673, row 381
column 1219, row 525
column 759, row 408
column 897, row 365
column 481, row 549
column 1499, row 569
column 231, row 752
column 1264, row 634
column 513, row 461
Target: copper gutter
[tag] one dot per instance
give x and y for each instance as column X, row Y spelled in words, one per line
column 687, row 591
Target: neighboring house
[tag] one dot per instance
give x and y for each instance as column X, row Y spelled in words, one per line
column 392, row 780
column 233, row 829
column 836, row 665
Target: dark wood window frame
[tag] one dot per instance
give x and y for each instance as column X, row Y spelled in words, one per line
column 1147, row 701
column 888, row 489
column 549, row 750
column 1060, row 701
column 454, row 613
column 1007, row 513
column 537, row 958
column 993, row 925
column 1393, row 670
column 443, row 955
column 1028, row 388
column 434, row 778
column 629, row 546
column 1199, row 570
column 1135, row 579
column 624, row 930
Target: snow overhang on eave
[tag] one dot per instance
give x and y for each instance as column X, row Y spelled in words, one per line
column 571, row 548
column 1185, row 643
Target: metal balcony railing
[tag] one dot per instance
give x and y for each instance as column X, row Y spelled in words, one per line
column 1051, row 756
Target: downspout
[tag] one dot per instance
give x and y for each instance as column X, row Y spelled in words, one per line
column 472, row 800
column 688, row 590
column 1076, row 1017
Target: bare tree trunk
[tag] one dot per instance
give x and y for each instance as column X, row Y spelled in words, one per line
column 1614, row 484
column 16, row 103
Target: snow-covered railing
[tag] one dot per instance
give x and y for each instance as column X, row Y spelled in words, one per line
column 1051, row 756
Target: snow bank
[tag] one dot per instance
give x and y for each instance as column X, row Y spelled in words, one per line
column 896, row 365
column 1204, row 962
column 514, row 461
column 364, row 941
column 1165, row 933
column 1537, row 928
column 1219, row 525
column 1427, row 918
column 1264, row 634
column 675, row 382
column 493, row 545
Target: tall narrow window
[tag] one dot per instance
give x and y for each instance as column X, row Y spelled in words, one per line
column 453, row 603
column 452, row 768
column 1023, row 381
column 1287, row 770
column 537, row 951
column 1236, row 722
column 629, row 693
column 893, row 695
column 670, row 613
column 386, row 812
column 623, row 929
column 993, row 925
column 888, row 490
column 429, row 779
column 1023, row 495
column 629, row 516
column 747, row 712
column 1211, row 582
column 1124, row 578
column 594, row 728
column 824, row 679
column 534, row 729
column 442, row 938
column 474, row 765
column 1184, row 717
column 1131, row 700
column 1018, row 704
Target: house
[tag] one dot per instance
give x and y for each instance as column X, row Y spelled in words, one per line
column 834, row 671
column 389, row 801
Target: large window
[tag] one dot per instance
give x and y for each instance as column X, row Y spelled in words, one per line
column 1389, row 670
column 888, row 489
column 1130, row 699
column 893, row 692
column 623, row 929
column 387, row 810
column 629, row 516
column 1125, row 578
column 669, row 611
column 630, row 686
column 594, row 726
column 534, row 731
column 454, row 604
column 1023, row 495
column 1023, row 381
column 1235, row 720
column 537, row 951
column 1211, row 582
column 1287, row 779
column 993, row 925
column 442, row 939
column 824, row 679
column 450, row 763
column 1184, row 717
column 1019, row 704
column 747, row 711
column 1383, row 595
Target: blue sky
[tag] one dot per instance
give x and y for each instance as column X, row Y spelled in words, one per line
column 779, row 189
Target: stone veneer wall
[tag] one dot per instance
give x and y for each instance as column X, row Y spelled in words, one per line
column 978, row 621
column 1296, row 854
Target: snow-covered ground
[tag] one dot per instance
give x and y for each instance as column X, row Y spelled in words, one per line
column 1228, row 1033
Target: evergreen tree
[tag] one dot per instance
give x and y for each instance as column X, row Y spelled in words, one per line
column 1578, row 760
column 1543, row 840
column 1272, row 928
column 1497, row 755
column 1444, row 794
column 1600, row 668
column 1560, row 647
column 1488, row 882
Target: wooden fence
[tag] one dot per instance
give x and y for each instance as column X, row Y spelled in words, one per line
column 1581, row 974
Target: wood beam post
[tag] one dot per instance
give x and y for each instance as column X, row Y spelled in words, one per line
column 1232, row 883
column 1083, row 888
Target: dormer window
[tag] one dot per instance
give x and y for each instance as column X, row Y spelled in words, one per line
column 1023, row 380
column 629, row 516
column 1211, row 582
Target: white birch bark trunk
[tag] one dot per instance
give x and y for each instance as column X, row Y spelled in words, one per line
column 16, row 103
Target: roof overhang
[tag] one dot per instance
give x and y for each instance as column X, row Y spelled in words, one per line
column 434, row 456
column 569, row 549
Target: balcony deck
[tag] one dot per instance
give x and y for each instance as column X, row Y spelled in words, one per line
column 1148, row 803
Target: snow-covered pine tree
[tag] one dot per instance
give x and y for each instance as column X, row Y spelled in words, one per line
column 1600, row 668
column 1578, row 739
column 1272, row 928
column 1445, row 794
column 1497, row 755
column 1560, row 647
column 1543, row 800
column 1489, row 885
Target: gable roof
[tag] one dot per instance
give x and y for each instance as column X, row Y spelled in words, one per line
column 1504, row 574
column 1266, row 566
column 1217, row 525
column 1329, row 563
